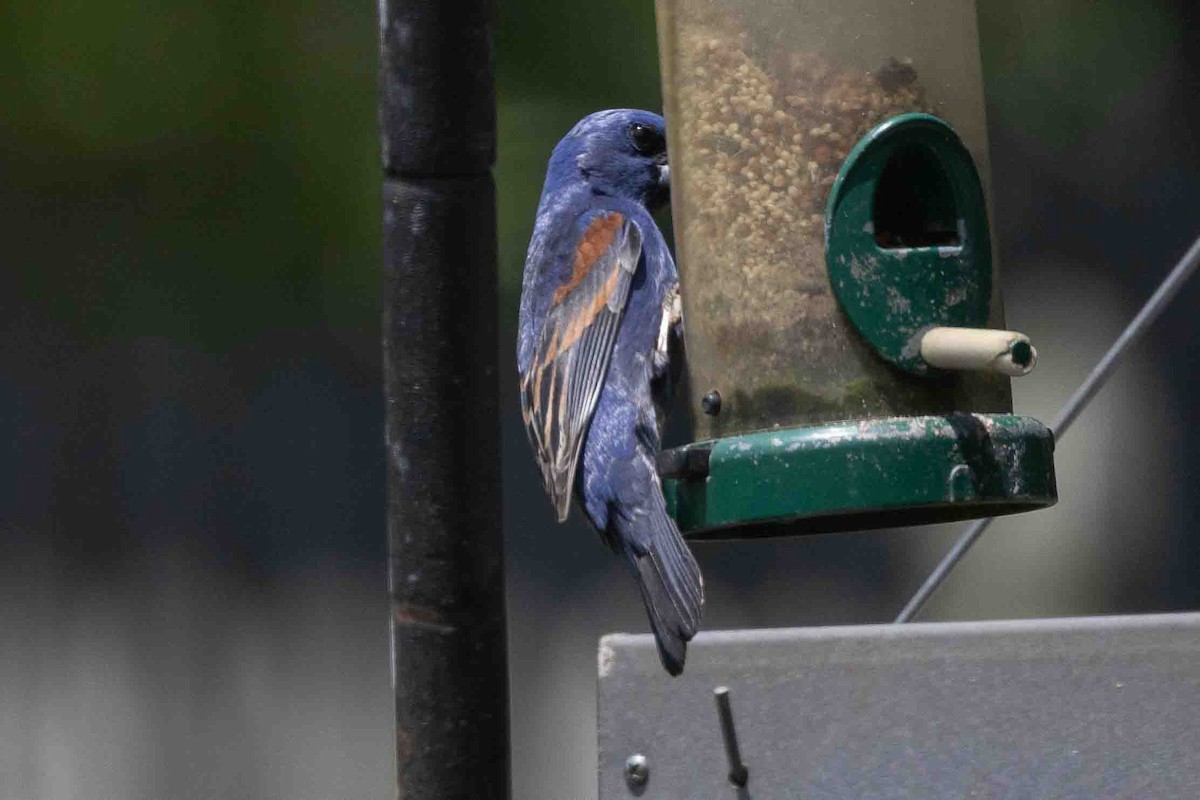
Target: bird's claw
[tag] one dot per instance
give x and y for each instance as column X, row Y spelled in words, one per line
column 672, row 314
column 673, row 304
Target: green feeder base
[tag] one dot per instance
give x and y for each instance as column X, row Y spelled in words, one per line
column 857, row 475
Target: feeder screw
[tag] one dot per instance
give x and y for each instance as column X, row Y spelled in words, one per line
column 711, row 403
column 637, row 771
column 739, row 774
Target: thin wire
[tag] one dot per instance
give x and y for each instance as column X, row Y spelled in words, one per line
column 1100, row 374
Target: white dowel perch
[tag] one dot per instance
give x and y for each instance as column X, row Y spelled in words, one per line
column 1006, row 352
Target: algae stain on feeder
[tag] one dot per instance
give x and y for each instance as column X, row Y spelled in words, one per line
column 845, row 332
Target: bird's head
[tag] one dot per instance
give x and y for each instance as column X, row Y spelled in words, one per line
column 621, row 152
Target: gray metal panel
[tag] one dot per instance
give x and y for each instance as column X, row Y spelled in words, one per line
column 1096, row 707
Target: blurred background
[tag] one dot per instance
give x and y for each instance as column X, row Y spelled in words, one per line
column 192, row 549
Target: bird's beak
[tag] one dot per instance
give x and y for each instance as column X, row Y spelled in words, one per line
column 664, row 176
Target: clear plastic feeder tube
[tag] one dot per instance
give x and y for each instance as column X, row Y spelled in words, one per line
column 764, row 101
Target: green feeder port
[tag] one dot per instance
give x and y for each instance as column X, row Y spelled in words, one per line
column 847, row 352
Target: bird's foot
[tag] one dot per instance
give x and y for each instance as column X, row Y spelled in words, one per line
column 672, row 315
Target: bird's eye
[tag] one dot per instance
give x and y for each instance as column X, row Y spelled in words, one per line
column 647, row 140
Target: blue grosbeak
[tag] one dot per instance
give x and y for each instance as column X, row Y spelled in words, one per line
column 599, row 321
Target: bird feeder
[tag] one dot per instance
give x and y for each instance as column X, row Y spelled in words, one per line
column 847, row 352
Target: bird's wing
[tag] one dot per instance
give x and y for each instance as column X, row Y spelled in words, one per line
column 560, row 389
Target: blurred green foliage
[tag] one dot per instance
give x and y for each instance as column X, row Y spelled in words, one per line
column 209, row 172
column 203, row 172
column 1064, row 68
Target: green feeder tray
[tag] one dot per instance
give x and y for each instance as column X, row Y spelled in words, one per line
column 862, row 474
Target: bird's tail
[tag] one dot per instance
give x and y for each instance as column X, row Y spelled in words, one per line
column 671, row 583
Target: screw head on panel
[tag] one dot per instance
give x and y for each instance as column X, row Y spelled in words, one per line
column 637, row 771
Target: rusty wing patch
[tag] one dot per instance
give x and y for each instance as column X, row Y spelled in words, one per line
column 596, row 240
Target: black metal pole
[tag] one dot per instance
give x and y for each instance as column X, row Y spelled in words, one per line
column 437, row 114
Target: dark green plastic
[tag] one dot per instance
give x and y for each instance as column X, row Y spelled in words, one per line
column 906, row 237
column 864, row 474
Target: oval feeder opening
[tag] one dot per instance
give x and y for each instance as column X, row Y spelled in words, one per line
column 907, row 244
column 914, row 202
